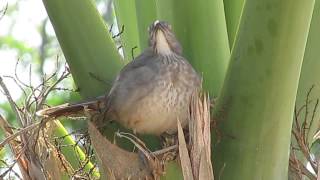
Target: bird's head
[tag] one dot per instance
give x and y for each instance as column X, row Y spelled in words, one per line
column 162, row 40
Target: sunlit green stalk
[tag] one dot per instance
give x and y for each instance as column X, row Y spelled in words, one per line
column 201, row 28
column 255, row 110
column 233, row 9
column 86, row 43
column 127, row 19
column 309, row 82
column 310, row 73
column 72, row 151
column 135, row 16
column 146, row 14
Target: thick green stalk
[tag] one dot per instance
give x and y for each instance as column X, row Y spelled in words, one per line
column 86, row 44
column 146, row 14
column 309, row 78
column 255, row 110
column 201, row 28
column 136, row 16
column 310, row 73
column 233, row 9
column 72, row 151
column 127, row 18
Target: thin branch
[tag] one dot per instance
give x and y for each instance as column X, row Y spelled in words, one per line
column 118, row 34
column 16, row 82
column 20, row 132
column 132, row 52
column 304, row 124
column 11, row 102
column 3, row 11
column 311, row 121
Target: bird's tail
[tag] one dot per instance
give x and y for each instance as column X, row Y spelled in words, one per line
column 74, row 109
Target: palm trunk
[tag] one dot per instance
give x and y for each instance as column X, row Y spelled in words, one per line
column 255, row 109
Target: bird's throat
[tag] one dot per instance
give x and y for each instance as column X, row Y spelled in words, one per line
column 162, row 45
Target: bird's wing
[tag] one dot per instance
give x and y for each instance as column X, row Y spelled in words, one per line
column 135, row 80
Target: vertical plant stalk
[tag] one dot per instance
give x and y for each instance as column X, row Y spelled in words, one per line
column 309, row 89
column 255, row 110
column 201, row 28
column 127, row 19
column 72, row 151
column 233, row 10
column 135, row 16
column 146, row 14
column 310, row 73
column 88, row 47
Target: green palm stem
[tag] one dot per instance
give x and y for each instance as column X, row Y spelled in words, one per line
column 127, row 19
column 201, row 28
column 309, row 82
column 136, row 16
column 86, row 44
column 310, row 73
column 255, row 109
column 146, row 14
column 233, row 10
column 72, row 151
column 89, row 51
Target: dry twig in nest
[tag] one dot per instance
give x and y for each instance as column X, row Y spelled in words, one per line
column 35, row 155
column 300, row 132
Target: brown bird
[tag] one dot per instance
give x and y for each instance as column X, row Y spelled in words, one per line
column 151, row 92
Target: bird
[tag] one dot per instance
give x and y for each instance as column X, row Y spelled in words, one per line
column 150, row 93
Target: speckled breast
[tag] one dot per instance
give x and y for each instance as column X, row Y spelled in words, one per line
column 169, row 100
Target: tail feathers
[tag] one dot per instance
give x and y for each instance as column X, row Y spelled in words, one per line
column 72, row 110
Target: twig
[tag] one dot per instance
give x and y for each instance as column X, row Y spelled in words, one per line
column 301, row 134
column 304, row 124
column 162, row 151
column 3, row 11
column 132, row 52
column 311, row 121
column 21, row 88
column 11, row 102
column 137, row 142
column 16, row 74
column 304, row 170
column 121, row 32
column 9, row 170
column 64, row 75
column 21, row 131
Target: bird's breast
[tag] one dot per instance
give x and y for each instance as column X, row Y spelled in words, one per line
column 159, row 110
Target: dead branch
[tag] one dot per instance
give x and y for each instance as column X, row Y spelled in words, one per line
column 29, row 143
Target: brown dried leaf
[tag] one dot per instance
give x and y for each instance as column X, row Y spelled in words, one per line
column 116, row 162
column 200, row 137
column 184, row 155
